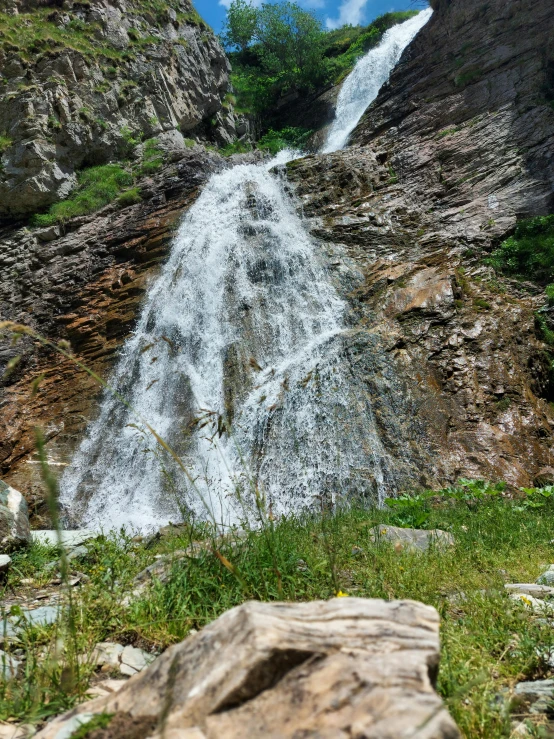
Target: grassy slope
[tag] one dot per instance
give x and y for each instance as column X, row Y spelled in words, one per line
column 488, row 641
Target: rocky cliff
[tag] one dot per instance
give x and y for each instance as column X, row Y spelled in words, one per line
column 81, row 84
column 456, row 147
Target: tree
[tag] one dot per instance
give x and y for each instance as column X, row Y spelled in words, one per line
column 290, row 43
column 240, row 25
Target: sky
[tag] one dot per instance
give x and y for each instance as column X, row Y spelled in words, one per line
column 333, row 13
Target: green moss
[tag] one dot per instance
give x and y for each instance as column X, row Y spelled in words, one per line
column 129, row 197
column 100, row 721
column 481, row 304
column 5, row 143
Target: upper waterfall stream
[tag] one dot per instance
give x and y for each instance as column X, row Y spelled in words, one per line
column 236, row 360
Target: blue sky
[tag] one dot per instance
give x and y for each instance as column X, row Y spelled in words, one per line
column 333, row 13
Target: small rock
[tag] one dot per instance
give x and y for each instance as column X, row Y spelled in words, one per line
column 107, row 653
column 547, row 577
column 70, row 539
column 8, row 666
column 47, row 234
column 538, row 591
column 413, row 539
column 134, row 660
column 15, row 531
column 8, row 731
column 539, row 694
column 545, row 476
column 5, row 562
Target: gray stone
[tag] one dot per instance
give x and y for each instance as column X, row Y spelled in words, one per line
column 413, row 539
column 547, row 577
column 47, row 234
column 107, row 653
column 344, row 667
column 134, row 660
column 70, row 539
column 15, row 531
column 534, row 604
column 539, row 694
column 8, row 666
column 534, row 589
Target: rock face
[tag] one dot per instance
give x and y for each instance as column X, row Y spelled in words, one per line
column 456, row 147
column 348, row 667
column 80, row 85
column 14, row 520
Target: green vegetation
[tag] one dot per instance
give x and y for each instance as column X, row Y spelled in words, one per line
column 152, row 157
column 5, row 143
column 289, row 137
column 529, row 253
column 488, row 640
column 97, row 186
column 280, row 49
column 236, row 147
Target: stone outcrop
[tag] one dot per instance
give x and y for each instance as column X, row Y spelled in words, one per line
column 15, row 531
column 456, row 147
column 83, row 84
column 348, row 667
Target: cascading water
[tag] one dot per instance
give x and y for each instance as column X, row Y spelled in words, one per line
column 237, row 361
column 368, row 76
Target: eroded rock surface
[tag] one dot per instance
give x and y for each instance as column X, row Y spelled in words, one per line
column 15, row 531
column 348, row 667
column 455, row 148
column 85, row 82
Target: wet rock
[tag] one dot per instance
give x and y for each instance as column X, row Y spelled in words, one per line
column 339, row 667
column 413, row 539
column 15, row 531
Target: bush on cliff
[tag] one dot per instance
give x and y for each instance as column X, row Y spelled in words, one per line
column 529, row 253
column 97, row 186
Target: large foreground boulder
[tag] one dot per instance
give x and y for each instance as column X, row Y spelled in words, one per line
column 15, row 531
column 348, row 667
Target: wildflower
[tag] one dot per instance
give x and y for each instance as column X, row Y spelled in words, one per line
column 340, row 594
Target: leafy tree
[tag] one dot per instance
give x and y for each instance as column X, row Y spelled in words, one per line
column 240, row 25
column 291, row 44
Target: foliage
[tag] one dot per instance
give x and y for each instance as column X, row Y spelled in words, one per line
column 240, row 25
column 529, row 253
column 488, row 640
column 97, row 186
column 289, row 137
column 290, row 52
column 236, row 147
column 152, row 157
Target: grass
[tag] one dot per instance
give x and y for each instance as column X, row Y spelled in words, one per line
column 488, row 641
column 97, row 186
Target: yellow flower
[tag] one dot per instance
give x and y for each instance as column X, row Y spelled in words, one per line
column 340, row 594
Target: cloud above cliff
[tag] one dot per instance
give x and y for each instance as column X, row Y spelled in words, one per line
column 350, row 12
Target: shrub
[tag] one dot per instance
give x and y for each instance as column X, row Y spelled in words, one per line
column 529, row 253
column 289, row 137
column 129, row 197
column 97, row 186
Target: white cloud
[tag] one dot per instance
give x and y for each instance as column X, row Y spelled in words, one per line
column 350, row 12
column 226, row 3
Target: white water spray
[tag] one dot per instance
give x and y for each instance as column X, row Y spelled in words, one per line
column 241, row 330
column 368, row 76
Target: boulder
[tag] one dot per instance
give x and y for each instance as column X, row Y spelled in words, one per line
column 70, row 539
column 530, row 588
column 413, row 539
column 538, row 694
column 340, row 668
column 5, row 562
column 15, row 531
column 547, row 577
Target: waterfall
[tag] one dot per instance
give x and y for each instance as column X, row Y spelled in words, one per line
column 240, row 362
column 368, row 76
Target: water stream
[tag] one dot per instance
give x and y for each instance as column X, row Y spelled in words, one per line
column 238, row 362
